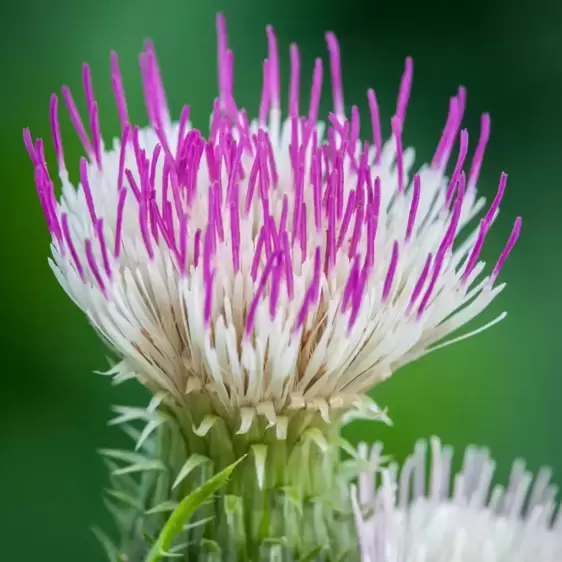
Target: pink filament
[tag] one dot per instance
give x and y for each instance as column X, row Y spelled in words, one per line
column 71, row 247
column 397, row 132
column 119, row 221
column 86, row 189
column 94, row 266
column 413, row 207
column 103, row 248
column 260, row 290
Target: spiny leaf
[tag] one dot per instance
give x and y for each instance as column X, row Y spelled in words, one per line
column 185, row 510
column 155, row 401
column 113, row 367
column 273, row 548
column 190, row 464
column 120, row 516
column 131, row 431
column 366, row 408
column 232, row 504
column 147, row 431
column 346, row 555
column 148, row 537
column 274, row 541
column 293, row 495
column 163, row 507
column 312, row 554
column 146, row 466
column 122, row 377
column 110, row 549
column 129, row 413
column 205, row 425
column 204, row 521
column 346, row 446
column 316, row 436
column 138, row 463
column 126, row 499
column 123, row 483
column 176, row 551
column 325, row 500
column 210, row 546
column 122, row 455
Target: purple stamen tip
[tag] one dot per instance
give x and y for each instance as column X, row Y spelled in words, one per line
column 55, row 129
column 28, row 142
column 494, row 207
column 479, row 152
column 76, row 120
column 294, row 83
column 94, row 266
column 118, row 90
column 508, row 247
column 273, row 76
column 86, row 189
column 405, row 89
column 391, row 272
column 335, row 69
column 458, row 167
column 71, row 247
column 375, row 124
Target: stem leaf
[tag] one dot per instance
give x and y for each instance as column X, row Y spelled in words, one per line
column 180, row 516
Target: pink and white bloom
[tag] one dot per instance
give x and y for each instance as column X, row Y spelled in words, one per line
column 270, row 264
column 413, row 517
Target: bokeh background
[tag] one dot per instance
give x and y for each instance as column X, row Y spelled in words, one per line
column 501, row 389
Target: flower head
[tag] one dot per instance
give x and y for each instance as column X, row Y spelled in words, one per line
column 470, row 521
column 270, row 264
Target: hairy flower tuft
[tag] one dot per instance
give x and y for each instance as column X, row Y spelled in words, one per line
column 411, row 517
column 271, row 265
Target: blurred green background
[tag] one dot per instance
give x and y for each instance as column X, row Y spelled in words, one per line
column 501, row 389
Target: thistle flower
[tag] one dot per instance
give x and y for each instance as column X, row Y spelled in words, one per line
column 472, row 520
column 260, row 278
